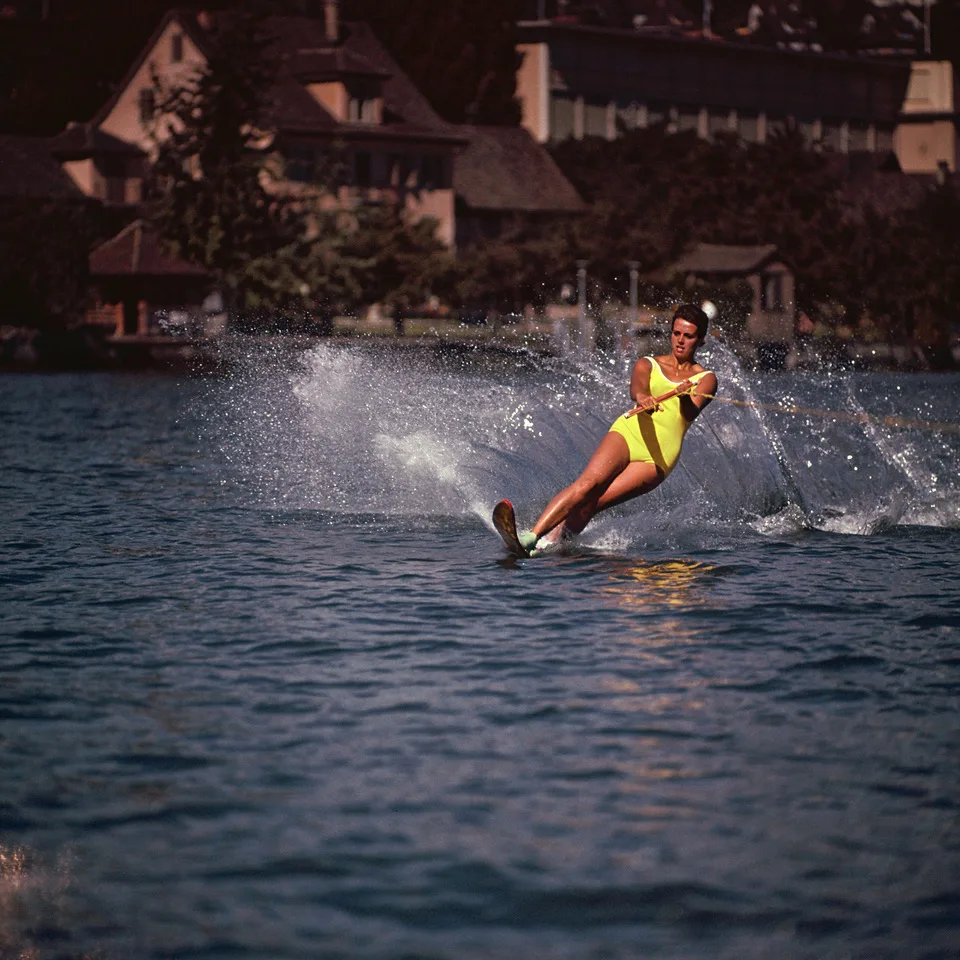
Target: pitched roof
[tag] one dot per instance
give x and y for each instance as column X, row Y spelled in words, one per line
column 28, row 169
column 308, row 54
column 137, row 249
column 187, row 22
column 504, row 168
column 290, row 108
column 404, row 102
column 714, row 258
column 81, row 140
column 311, row 66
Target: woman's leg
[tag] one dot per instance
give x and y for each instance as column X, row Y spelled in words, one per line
column 634, row 480
column 609, row 460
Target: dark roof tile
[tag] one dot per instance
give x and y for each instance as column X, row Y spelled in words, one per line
column 28, row 169
column 725, row 259
column 81, row 140
column 504, row 168
column 137, row 250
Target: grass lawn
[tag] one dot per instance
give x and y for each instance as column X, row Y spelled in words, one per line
column 529, row 334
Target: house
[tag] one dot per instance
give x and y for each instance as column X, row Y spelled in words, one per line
column 578, row 79
column 772, row 315
column 927, row 135
column 501, row 173
column 337, row 90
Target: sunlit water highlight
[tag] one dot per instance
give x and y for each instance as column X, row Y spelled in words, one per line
column 270, row 687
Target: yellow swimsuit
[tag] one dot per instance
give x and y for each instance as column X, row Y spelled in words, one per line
column 656, row 437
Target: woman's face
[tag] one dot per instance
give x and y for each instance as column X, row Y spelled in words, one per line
column 684, row 340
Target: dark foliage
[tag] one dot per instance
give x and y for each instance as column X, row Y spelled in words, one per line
column 459, row 53
column 210, row 179
column 653, row 195
column 44, row 246
column 221, row 201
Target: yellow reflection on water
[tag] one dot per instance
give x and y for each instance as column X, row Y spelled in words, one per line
column 658, row 593
column 667, row 584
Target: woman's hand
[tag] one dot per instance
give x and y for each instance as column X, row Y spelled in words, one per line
column 646, row 405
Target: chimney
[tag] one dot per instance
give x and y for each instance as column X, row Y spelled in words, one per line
column 331, row 20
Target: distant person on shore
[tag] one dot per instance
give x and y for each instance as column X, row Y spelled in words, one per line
column 643, row 445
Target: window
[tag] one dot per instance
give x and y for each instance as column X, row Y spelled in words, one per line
column 719, row 122
column 146, row 104
column 858, row 137
column 300, row 164
column 431, row 172
column 688, row 119
column 113, row 169
column 394, row 175
column 362, row 111
column 561, row 118
column 176, row 48
column 595, row 119
column 362, row 169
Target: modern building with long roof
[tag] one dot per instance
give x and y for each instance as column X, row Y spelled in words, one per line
column 579, row 80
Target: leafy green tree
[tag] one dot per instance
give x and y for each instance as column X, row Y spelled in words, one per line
column 782, row 192
column 526, row 264
column 215, row 202
column 372, row 253
column 655, row 194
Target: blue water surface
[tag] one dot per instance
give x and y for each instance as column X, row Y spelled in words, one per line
column 270, row 686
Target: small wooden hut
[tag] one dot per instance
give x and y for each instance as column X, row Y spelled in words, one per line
column 137, row 282
column 773, row 310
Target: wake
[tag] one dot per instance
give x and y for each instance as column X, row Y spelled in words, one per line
column 374, row 429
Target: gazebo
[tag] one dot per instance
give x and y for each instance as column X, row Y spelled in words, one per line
column 773, row 308
column 136, row 280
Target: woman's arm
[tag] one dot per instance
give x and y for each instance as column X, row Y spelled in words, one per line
column 640, row 380
column 703, row 392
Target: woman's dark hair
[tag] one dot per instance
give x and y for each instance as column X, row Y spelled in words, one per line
column 692, row 313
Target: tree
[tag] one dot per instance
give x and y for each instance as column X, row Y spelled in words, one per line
column 372, row 253
column 44, row 250
column 223, row 201
column 655, row 194
column 217, row 202
column 907, row 266
column 460, row 53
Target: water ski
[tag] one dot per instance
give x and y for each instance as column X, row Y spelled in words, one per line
column 505, row 523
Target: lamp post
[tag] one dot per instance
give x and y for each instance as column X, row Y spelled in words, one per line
column 634, row 268
column 582, row 301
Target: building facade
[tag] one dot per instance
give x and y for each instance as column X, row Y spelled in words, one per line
column 578, row 81
column 337, row 93
column 926, row 137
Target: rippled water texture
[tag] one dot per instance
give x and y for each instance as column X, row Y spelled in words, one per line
column 270, row 687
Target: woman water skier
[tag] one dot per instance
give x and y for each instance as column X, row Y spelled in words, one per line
column 643, row 445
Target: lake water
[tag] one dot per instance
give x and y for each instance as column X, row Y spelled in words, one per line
column 271, row 688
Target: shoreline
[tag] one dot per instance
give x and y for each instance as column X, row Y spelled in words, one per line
column 88, row 349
